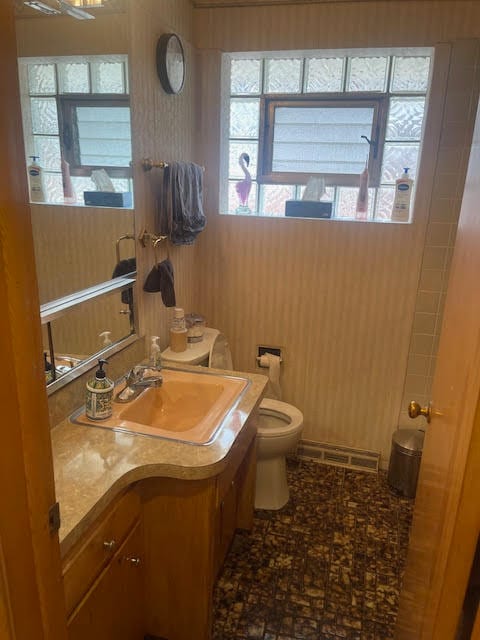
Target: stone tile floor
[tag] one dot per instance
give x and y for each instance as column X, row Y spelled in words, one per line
column 328, row 565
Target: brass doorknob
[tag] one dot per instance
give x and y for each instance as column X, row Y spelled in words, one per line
column 415, row 410
column 132, row 560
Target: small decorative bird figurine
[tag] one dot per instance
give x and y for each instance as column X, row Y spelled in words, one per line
column 243, row 186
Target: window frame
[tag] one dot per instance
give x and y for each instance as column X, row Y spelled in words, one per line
column 68, row 130
column 268, row 104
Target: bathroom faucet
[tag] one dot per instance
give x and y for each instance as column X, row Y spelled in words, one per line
column 138, row 380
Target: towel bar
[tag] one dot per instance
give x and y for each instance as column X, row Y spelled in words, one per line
column 117, row 247
column 148, row 164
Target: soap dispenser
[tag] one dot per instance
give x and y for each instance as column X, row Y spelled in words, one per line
column 98, row 404
column 155, row 354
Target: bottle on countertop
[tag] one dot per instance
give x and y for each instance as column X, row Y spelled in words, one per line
column 361, row 211
column 403, row 194
column 178, row 331
column 48, row 369
column 68, row 190
column 155, row 354
column 35, row 181
column 98, row 404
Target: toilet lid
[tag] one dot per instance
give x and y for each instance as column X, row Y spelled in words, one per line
column 288, row 419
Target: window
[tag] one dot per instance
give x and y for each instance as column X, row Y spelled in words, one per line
column 76, row 108
column 96, row 134
column 322, row 114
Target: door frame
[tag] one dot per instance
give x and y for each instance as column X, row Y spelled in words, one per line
column 31, row 590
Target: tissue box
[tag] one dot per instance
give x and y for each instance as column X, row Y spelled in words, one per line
column 107, row 198
column 308, row 209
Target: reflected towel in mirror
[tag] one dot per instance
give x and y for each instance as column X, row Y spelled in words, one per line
column 123, row 268
column 180, row 215
column 161, row 279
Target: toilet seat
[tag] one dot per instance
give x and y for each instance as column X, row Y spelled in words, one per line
column 290, row 417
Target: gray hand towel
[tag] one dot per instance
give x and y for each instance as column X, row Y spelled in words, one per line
column 180, row 214
column 160, row 279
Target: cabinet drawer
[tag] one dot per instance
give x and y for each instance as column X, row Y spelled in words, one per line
column 97, row 547
column 113, row 608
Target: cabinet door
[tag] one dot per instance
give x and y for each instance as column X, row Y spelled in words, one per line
column 113, row 608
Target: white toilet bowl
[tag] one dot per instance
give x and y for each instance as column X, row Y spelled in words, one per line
column 279, row 428
column 279, row 424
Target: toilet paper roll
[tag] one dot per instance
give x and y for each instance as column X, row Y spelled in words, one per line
column 273, row 363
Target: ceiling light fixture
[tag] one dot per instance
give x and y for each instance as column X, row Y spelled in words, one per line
column 41, row 6
column 75, row 12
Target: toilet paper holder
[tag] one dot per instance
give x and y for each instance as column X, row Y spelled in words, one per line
column 262, row 351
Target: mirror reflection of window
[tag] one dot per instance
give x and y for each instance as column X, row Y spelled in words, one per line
column 76, row 110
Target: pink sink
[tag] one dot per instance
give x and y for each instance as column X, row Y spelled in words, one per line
column 188, row 407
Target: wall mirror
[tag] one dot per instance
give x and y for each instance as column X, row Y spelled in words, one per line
column 76, row 118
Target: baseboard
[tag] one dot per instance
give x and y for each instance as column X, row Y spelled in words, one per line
column 338, row 456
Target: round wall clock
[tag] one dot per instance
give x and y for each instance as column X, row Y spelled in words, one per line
column 170, row 62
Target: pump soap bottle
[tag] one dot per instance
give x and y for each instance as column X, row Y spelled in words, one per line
column 155, row 354
column 178, row 331
column 403, row 194
column 98, row 404
column 35, row 181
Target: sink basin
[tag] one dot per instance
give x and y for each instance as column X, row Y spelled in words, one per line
column 188, row 407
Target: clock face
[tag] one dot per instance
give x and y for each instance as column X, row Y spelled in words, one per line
column 170, row 63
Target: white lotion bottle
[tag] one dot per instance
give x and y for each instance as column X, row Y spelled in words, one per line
column 35, row 181
column 403, row 195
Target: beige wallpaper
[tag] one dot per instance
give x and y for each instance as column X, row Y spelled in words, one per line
column 163, row 129
column 339, row 297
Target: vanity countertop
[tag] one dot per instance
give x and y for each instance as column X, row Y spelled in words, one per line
column 93, row 465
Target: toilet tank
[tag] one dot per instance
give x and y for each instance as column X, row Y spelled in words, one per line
column 196, row 352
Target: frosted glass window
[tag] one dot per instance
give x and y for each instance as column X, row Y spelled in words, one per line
column 44, row 115
column 41, row 79
column 283, row 76
column 273, row 198
column 244, row 117
column 405, row 119
column 53, row 187
column 108, row 77
column 367, row 74
column 237, row 148
column 74, row 77
column 321, row 139
column 324, row 75
column 347, row 202
column 245, row 77
column 104, row 136
column 396, row 157
column 383, row 209
column 47, row 148
column 410, row 74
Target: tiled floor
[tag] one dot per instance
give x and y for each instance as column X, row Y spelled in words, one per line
column 328, row 565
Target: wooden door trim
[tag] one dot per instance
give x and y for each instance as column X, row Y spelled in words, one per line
column 32, row 569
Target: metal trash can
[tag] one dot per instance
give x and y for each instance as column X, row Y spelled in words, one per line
column 407, row 445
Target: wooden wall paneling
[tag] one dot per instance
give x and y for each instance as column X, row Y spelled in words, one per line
column 387, row 23
column 31, row 552
column 163, row 129
column 331, row 293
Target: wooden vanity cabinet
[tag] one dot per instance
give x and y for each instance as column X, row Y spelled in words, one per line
column 189, row 526
column 148, row 566
column 103, row 576
column 113, row 608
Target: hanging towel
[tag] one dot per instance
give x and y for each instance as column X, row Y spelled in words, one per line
column 180, row 215
column 160, row 279
column 122, row 268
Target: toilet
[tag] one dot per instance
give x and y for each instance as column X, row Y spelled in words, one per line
column 279, row 424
